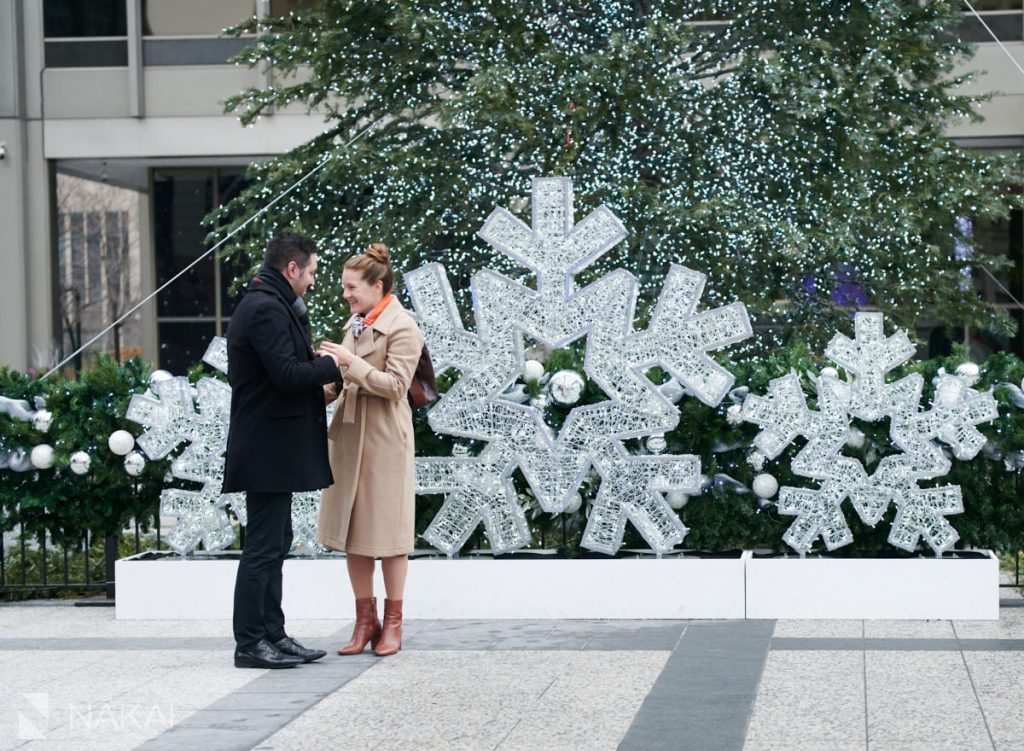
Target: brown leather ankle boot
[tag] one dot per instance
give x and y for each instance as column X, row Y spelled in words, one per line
column 391, row 633
column 366, row 629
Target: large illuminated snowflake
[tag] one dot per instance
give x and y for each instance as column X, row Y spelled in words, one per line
column 480, row 488
column 867, row 358
column 176, row 413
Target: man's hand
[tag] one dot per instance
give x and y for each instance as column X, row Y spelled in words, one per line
column 341, row 356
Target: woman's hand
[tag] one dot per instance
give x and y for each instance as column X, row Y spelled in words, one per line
column 341, row 355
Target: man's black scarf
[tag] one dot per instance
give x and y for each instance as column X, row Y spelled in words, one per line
column 269, row 277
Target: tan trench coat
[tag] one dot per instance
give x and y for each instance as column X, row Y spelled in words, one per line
column 371, row 507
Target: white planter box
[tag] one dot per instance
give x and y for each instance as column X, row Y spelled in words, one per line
column 819, row 588
column 869, row 588
column 677, row 587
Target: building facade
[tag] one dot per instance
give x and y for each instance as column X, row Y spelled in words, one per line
column 115, row 145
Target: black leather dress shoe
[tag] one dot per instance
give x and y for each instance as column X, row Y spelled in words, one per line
column 263, row 655
column 289, row 646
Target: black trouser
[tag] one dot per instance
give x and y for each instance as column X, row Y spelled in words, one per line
column 268, row 538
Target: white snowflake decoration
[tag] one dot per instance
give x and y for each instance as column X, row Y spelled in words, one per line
column 175, row 413
column 867, row 358
column 480, row 488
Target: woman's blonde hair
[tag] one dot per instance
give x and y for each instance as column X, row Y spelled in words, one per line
column 374, row 264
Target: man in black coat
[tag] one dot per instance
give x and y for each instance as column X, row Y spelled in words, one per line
column 277, row 440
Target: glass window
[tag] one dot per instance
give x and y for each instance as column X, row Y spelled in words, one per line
column 98, row 264
column 197, row 306
column 1001, row 237
column 997, row 5
column 193, row 17
column 230, row 182
column 183, row 344
column 284, row 7
column 180, row 200
column 74, row 18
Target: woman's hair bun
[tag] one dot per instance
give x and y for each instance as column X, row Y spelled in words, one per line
column 378, row 252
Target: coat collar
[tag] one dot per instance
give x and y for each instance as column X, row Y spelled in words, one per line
column 386, row 320
column 303, row 330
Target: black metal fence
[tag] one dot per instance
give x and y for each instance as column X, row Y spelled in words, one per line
column 36, row 566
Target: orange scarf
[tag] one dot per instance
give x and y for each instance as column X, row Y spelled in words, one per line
column 364, row 322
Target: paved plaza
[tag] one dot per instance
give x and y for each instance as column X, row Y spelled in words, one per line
column 76, row 678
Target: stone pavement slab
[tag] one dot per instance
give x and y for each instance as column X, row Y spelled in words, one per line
column 75, row 678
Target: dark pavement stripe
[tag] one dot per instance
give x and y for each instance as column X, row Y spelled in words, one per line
column 704, row 697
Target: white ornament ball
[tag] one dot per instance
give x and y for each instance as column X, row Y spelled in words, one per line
column 134, row 463
column 42, row 420
column 756, row 460
column 42, row 456
column 533, row 370
column 969, row 371
column 121, row 442
column 672, row 390
column 765, row 485
column 829, row 372
column 80, row 462
column 656, row 444
column 158, row 376
column 575, row 504
column 855, row 438
column 676, row 499
column 732, row 414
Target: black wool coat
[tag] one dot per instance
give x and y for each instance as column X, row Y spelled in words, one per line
column 277, row 438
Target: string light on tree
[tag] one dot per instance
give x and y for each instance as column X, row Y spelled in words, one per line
column 814, row 175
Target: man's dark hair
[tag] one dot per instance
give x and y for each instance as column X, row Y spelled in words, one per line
column 286, row 247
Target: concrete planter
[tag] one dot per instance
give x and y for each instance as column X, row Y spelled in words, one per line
column 674, row 587
column 965, row 587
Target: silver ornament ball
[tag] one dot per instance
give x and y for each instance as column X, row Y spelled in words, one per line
column 80, row 462
column 656, row 444
column 134, row 463
column 42, row 420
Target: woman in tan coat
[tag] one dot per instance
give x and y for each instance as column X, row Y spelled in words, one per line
column 369, row 510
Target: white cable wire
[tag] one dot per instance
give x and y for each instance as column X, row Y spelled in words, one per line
column 1003, row 288
column 994, row 37
column 234, row 232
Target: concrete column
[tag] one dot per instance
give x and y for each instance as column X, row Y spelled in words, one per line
column 14, row 344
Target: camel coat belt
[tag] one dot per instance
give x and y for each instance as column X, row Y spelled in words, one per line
column 371, row 507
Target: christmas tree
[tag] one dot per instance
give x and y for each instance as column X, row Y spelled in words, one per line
column 792, row 151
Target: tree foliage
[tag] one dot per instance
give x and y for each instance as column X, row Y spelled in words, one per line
column 793, row 151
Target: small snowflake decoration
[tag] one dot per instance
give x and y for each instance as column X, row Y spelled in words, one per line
column 678, row 338
column 174, row 413
column 867, row 358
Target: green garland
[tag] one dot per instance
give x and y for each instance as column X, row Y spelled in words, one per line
column 85, row 412
column 727, row 515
